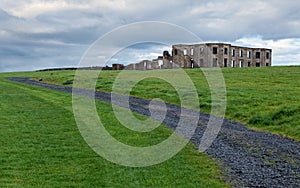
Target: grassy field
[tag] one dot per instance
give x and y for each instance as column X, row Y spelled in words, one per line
column 40, row 145
column 265, row 98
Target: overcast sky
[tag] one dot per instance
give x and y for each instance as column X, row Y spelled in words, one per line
column 37, row 34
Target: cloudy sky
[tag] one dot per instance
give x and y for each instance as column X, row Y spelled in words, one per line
column 37, row 34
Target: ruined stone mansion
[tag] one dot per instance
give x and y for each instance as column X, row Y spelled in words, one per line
column 206, row 55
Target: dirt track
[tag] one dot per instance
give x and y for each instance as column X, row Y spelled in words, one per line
column 250, row 158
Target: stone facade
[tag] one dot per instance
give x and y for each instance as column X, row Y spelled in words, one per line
column 207, row 55
column 144, row 65
column 118, row 66
column 220, row 54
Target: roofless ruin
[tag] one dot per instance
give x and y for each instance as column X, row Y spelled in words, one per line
column 206, row 55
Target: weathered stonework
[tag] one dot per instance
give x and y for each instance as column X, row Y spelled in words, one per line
column 220, row 55
column 207, row 55
column 118, row 67
column 144, row 65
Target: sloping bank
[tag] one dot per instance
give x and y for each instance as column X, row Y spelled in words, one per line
column 250, row 158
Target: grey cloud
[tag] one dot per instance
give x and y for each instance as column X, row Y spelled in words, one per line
column 4, row 15
column 60, row 37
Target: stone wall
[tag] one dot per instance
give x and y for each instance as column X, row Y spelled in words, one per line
column 207, row 55
column 220, row 54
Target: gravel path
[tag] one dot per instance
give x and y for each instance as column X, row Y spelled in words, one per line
column 250, row 158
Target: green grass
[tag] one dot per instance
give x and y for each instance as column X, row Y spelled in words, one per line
column 265, row 98
column 255, row 96
column 40, row 145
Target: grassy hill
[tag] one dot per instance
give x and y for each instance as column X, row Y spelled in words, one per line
column 265, row 98
column 41, row 145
